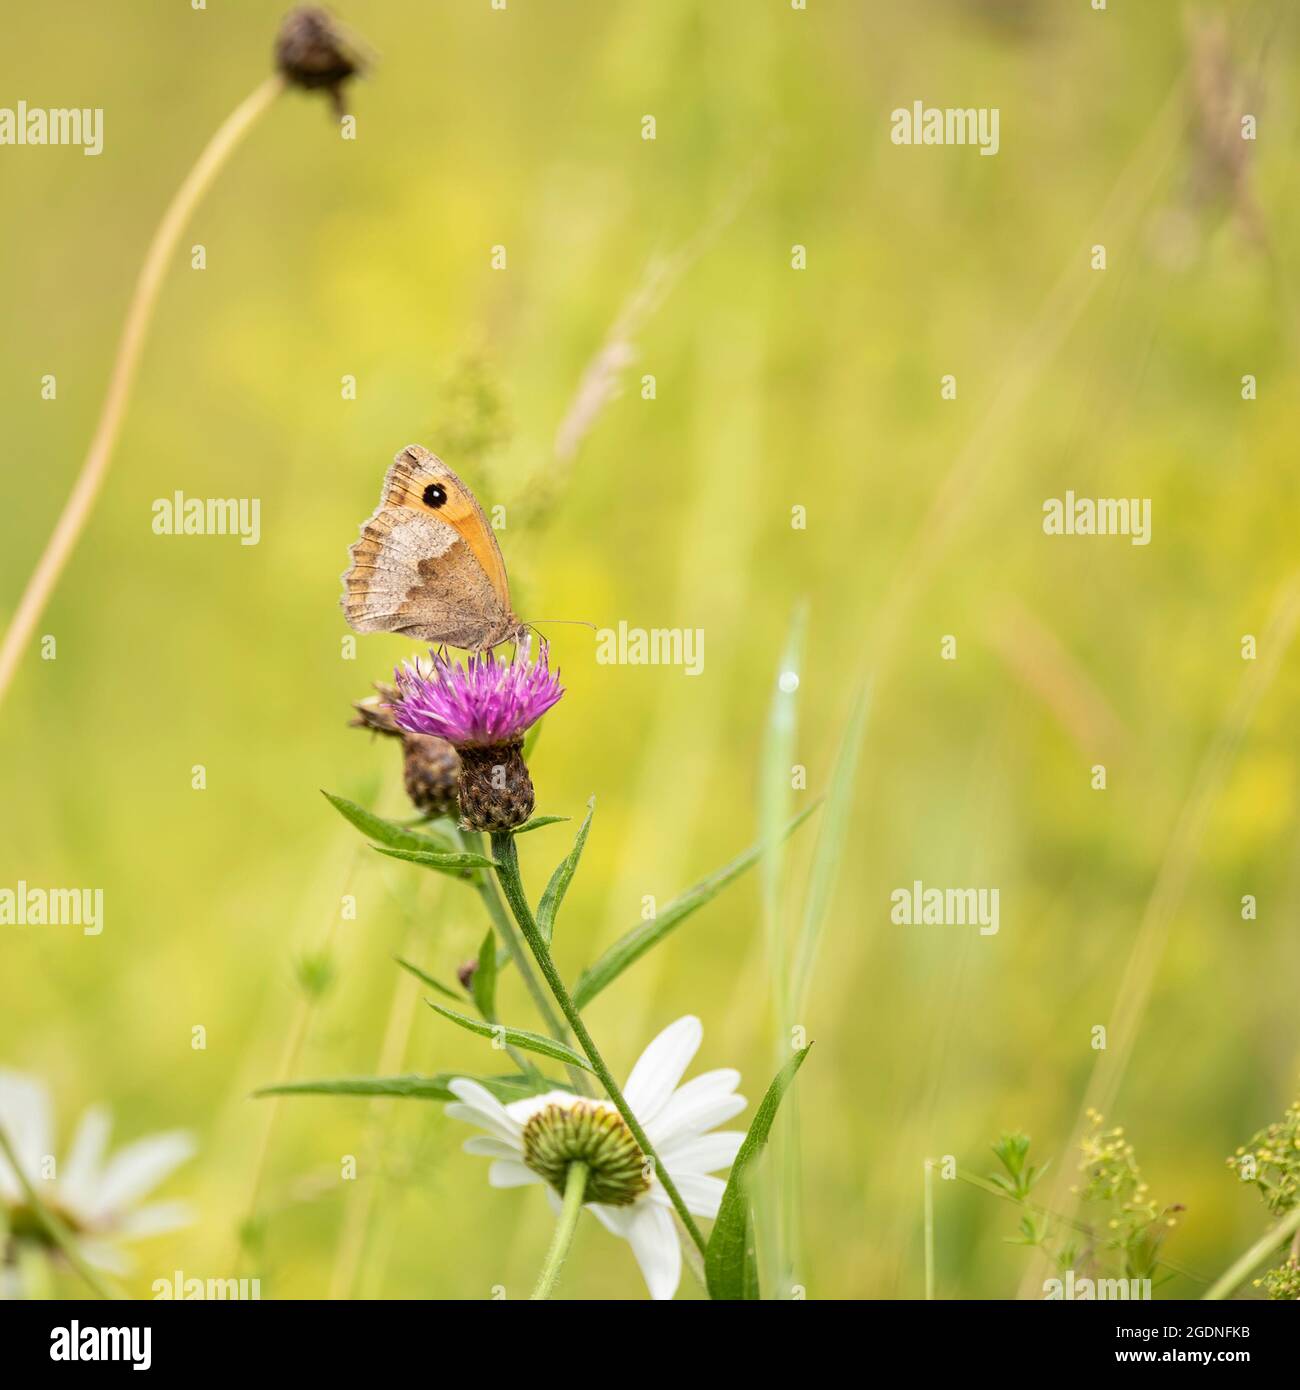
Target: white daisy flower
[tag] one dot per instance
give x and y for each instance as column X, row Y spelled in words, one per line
column 98, row 1201
column 534, row 1140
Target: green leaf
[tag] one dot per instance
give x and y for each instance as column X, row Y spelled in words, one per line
column 428, row 979
column 519, row 1037
column 458, row 862
column 537, row 822
column 730, row 1266
column 483, row 982
column 644, row 935
column 505, row 1088
column 386, row 832
column 441, row 828
column 561, row 878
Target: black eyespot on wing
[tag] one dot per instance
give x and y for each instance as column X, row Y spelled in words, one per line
column 435, row 495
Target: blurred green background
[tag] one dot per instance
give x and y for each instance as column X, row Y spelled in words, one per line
column 775, row 387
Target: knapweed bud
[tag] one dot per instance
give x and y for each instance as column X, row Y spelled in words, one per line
column 496, row 792
column 313, row 52
column 466, row 973
column 430, row 767
column 483, row 711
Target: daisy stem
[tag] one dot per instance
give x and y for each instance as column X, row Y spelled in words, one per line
column 53, row 1227
column 575, row 1185
column 503, row 851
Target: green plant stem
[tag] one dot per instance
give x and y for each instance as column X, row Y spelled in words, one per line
column 575, row 1184
column 53, row 1227
column 510, row 936
column 503, row 851
column 1239, row 1271
column 506, row 930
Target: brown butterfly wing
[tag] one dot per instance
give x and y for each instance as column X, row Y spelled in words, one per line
column 432, row 569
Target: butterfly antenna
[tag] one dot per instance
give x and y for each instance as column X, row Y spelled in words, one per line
column 564, row 622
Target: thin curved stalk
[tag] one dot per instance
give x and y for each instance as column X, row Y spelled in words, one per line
column 81, row 501
column 1238, row 1272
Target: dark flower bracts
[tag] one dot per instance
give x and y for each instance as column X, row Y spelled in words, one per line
column 483, row 709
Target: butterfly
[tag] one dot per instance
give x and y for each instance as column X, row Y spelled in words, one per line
column 427, row 564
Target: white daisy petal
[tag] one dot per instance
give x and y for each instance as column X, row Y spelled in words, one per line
column 507, row 1172
column 705, row 1153
column 138, row 1169
column 154, row 1219
column 613, row 1219
column 25, row 1115
column 481, row 1099
column 721, row 1082
column 487, row 1147
column 691, row 1112
column 522, row 1111
column 106, row 1256
column 80, row 1172
column 700, row 1193
column 653, row 1239
column 499, row 1127
column 709, row 1085
column 660, row 1067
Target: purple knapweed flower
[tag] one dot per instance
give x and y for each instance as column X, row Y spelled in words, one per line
column 483, row 709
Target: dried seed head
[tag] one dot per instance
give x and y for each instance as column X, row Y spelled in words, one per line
column 373, row 712
column 430, row 767
column 594, row 1133
column 313, row 52
column 431, row 775
column 496, row 792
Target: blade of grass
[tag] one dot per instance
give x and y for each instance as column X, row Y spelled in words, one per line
column 729, row 1262
column 829, row 849
column 776, row 1185
column 1138, row 979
